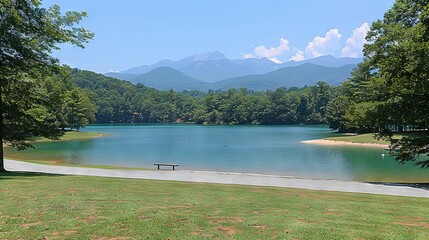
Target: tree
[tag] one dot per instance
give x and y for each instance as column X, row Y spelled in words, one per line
column 391, row 86
column 28, row 35
column 79, row 110
column 336, row 112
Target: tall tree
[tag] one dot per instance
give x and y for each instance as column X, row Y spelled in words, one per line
column 391, row 86
column 28, row 35
column 79, row 110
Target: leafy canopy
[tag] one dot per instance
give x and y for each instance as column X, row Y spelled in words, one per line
column 28, row 35
column 389, row 91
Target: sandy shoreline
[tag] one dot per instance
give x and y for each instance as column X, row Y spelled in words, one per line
column 225, row 178
column 344, row 143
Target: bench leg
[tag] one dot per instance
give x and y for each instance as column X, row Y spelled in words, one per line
column 173, row 167
column 158, row 167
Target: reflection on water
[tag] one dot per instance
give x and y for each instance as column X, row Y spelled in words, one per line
column 258, row 149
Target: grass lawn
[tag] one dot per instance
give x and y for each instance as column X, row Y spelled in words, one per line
column 41, row 206
column 74, row 135
column 361, row 138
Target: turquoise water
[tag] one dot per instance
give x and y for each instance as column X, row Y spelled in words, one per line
column 255, row 149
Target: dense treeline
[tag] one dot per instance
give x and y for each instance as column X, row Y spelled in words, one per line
column 56, row 101
column 389, row 92
column 119, row 101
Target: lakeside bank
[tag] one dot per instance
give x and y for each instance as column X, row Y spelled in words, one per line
column 327, row 142
column 226, row 178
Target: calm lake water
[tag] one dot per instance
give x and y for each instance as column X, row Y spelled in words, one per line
column 254, row 149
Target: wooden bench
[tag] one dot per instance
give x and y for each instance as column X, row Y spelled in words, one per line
column 166, row 164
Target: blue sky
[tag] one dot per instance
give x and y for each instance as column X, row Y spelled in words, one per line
column 135, row 32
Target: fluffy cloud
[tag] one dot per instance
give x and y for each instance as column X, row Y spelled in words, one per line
column 354, row 44
column 324, row 45
column 248, row 55
column 299, row 56
column 271, row 53
column 329, row 44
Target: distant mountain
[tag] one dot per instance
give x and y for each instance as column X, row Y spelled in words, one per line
column 208, row 56
column 327, row 61
column 209, row 66
column 165, row 78
column 212, row 71
column 299, row 76
column 258, row 65
column 214, row 66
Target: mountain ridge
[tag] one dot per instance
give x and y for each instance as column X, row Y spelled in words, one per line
column 214, row 66
column 166, row 78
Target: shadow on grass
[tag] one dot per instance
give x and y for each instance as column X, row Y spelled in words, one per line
column 11, row 175
column 424, row 186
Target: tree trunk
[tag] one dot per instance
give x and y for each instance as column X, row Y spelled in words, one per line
column 2, row 169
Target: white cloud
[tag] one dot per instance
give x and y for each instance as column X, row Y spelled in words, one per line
column 271, row 53
column 354, row 44
column 299, row 56
column 248, row 55
column 326, row 45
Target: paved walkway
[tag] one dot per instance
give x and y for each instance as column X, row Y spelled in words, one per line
column 225, row 178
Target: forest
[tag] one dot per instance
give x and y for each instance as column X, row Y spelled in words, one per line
column 86, row 97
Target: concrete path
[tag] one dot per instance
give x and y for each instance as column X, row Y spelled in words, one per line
column 225, row 178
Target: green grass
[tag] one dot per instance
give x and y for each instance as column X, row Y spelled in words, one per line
column 74, row 135
column 37, row 206
column 361, row 138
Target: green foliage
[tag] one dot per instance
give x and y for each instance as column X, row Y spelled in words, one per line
column 336, row 113
column 28, row 34
column 390, row 89
column 79, row 110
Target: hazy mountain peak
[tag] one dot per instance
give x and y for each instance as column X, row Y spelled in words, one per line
column 208, row 56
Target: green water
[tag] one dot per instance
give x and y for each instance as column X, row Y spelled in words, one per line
column 254, row 149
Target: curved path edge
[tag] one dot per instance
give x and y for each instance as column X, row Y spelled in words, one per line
column 225, row 178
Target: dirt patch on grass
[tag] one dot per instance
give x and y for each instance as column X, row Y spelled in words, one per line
column 112, row 238
column 260, row 226
column 226, row 230
column 302, row 221
column 201, row 231
column 27, row 225
column 275, row 234
column 413, row 224
column 389, row 211
column 63, row 233
column 330, row 212
column 90, row 219
column 72, row 190
column 144, row 218
column 412, row 218
column 220, row 219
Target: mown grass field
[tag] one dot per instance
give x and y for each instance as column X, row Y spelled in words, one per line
column 74, row 135
column 361, row 138
column 40, row 206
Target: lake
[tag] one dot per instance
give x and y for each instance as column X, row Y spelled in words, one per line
column 253, row 149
